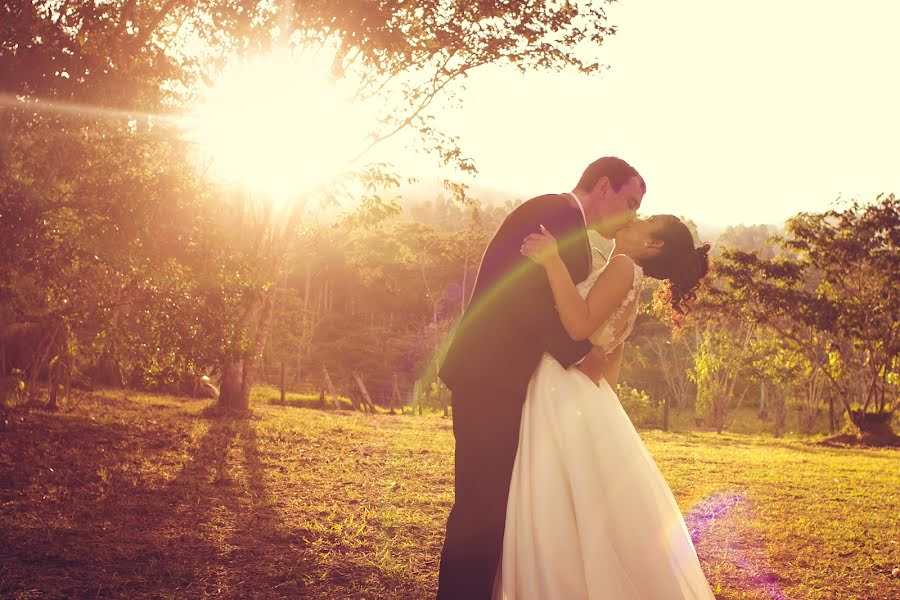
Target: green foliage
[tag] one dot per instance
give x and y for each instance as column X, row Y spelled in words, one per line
column 123, row 251
column 378, row 302
column 640, row 409
column 104, row 219
column 753, row 238
column 719, row 366
column 831, row 300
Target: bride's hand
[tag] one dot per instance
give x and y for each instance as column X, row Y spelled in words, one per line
column 540, row 247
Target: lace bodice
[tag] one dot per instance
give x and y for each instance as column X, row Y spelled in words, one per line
column 619, row 325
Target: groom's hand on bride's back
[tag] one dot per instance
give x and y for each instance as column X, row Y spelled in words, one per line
column 594, row 364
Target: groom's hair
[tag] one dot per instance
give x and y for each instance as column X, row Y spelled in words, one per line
column 613, row 168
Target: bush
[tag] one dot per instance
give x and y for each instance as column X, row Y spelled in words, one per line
column 642, row 411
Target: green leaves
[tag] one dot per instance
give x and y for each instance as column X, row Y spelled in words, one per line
column 831, row 296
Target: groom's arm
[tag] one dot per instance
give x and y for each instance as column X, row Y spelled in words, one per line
column 534, row 307
column 539, row 318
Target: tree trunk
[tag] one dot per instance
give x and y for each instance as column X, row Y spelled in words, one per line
column 297, row 376
column 51, row 387
column 230, row 391
column 431, row 297
column 251, row 364
column 445, row 406
column 831, row 413
column 719, row 411
column 41, row 358
column 283, row 383
column 239, row 373
column 230, row 395
column 69, row 381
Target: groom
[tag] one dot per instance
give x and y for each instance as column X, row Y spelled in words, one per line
column 509, row 323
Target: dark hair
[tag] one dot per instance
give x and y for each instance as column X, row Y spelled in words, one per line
column 679, row 264
column 613, row 168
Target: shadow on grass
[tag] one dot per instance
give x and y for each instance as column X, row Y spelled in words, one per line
column 709, row 440
column 135, row 504
column 865, row 440
column 86, row 521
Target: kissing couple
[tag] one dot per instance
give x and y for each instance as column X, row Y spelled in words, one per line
column 555, row 494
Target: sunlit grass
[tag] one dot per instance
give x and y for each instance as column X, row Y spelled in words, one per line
column 267, row 394
column 164, row 497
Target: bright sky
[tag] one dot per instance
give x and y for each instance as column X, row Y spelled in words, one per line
column 735, row 112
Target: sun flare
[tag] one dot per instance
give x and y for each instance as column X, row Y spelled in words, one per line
column 278, row 124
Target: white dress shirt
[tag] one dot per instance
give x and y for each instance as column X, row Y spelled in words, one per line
column 580, row 207
column 583, row 216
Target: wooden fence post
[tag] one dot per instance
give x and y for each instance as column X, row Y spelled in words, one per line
column 366, row 399
column 355, row 401
column 417, row 393
column 442, row 397
column 395, row 394
column 330, row 386
column 666, row 413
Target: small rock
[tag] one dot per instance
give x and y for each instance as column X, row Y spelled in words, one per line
column 896, row 572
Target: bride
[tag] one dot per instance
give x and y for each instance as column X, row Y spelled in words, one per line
column 589, row 515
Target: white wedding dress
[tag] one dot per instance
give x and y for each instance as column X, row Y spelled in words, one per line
column 589, row 514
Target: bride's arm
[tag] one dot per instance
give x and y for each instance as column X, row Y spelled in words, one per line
column 580, row 317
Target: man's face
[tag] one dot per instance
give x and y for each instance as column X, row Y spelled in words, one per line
column 614, row 209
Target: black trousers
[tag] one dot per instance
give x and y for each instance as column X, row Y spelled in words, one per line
column 486, row 428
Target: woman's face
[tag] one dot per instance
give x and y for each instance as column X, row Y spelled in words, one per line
column 642, row 235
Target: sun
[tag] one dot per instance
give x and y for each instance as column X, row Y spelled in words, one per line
column 278, row 124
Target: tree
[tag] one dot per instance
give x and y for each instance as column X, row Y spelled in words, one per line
column 404, row 56
column 719, row 371
column 124, row 254
column 105, row 220
column 789, row 374
column 95, row 74
column 835, row 299
column 671, row 354
column 749, row 238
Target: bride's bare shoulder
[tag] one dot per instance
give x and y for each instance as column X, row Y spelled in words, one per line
column 615, row 278
column 620, row 267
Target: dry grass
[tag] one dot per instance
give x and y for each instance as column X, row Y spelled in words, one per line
column 158, row 497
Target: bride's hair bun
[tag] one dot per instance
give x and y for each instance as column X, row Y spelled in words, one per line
column 679, row 264
column 685, row 279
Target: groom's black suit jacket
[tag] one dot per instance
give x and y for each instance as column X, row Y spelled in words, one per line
column 511, row 319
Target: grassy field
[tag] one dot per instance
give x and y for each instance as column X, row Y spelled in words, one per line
column 742, row 420
column 160, row 497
